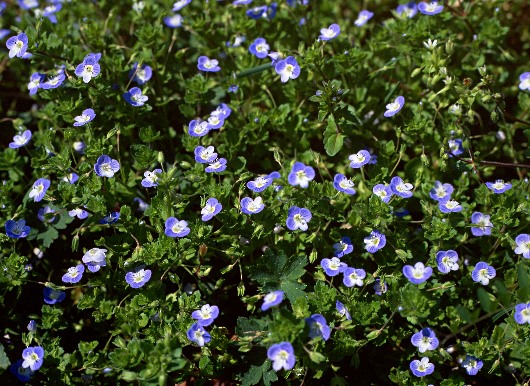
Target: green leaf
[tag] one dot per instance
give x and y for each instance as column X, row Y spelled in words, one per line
column 256, row 373
column 4, row 360
column 333, row 139
column 523, row 281
column 487, row 300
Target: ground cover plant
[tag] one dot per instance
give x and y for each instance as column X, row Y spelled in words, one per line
column 257, row 192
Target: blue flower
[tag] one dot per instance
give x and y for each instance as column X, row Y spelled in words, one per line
column 318, row 327
column 272, row 299
column 329, row 33
column 363, row 17
column 380, row 288
column 106, row 166
column 374, row 241
column 482, row 224
column 138, row 278
column 111, row 218
column 20, row 140
column 525, row 81
column 50, row 11
column 522, row 313
column 237, row 41
column 332, row 267
column 79, row 147
column 499, row 186
column 522, row 241
column 212, row 208
column 342, row 310
column 483, row 273
column 297, row 218
column 250, row 206
column 407, row 10
column 176, row 227
column 425, row 340
column 17, row 45
column 142, row 205
column 241, row 2
column 52, row 296
column 353, row 277
column 95, row 258
column 263, row 182
column 22, row 374
column 233, row 88
column 85, row 117
column 205, row 155
column 447, row 261
column 53, row 82
column 32, row 326
column 287, row 68
column 384, row 192
column 260, row 48
column 206, row 315
column 441, row 192
column 343, row 247
column 431, row 8
column 140, row 74
column 35, row 81
column 417, row 274
column 449, row 206
column 173, row 21
column 71, row 178
column 79, row 213
column 208, row 65
column 33, row 358
column 360, row 159
column 301, row 175
column 39, row 189
column 178, row 5
column 198, row 334
column 394, row 107
column 134, row 97
column 258, row 12
column 421, row 368
column 17, row 229
column 472, row 364
column 217, row 166
column 456, row 147
column 198, row 128
column 282, row 356
column 43, row 211
column 151, row 178
column 400, row 188
column 89, row 68
column 74, row 274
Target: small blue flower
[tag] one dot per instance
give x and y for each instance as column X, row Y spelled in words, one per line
column 522, row 241
column 421, row 368
column 212, row 208
column 198, row 128
column 353, row 277
column 425, row 340
column 449, row 206
column 50, row 11
column 134, row 97
column 282, row 356
column 301, row 175
column 441, row 192
column 472, row 364
column 318, row 327
column 52, row 296
column 483, row 273
column 71, row 178
column 374, row 241
column 206, row 315
column 431, row 8
column 263, row 182
column 417, row 274
column 39, row 189
column 79, row 147
column 272, row 299
column 53, row 82
column 259, row 48
column 297, row 218
column 106, row 166
column 332, row 267
column 17, row 45
column 287, row 68
column 43, row 211
column 400, row 188
column 522, row 313
column 205, row 155
column 22, row 374
column 111, row 218
column 142, row 205
column 217, row 166
column 141, row 74
column 447, row 261
column 525, row 81
column 85, row 117
column 33, row 358
column 258, row 12
column 456, row 147
column 20, row 140
column 35, row 82
column 176, row 227
column 329, row 33
column 173, row 21
column 394, row 107
column 233, row 88
column 360, row 159
column 499, row 186
column 95, row 258
column 79, row 213
column 363, row 18
column 380, row 288
column 407, row 10
column 89, row 68
column 237, row 41
column 32, row 326
column 343, row 247
column 138, row 278
column 384, row 192
column 151, row 178
column 482, row 224
column 178, row 5
column 250, row 206
column 17, row 229
column 74, row 274
column 342, row 310
column 198, row 334
column 208, row 65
